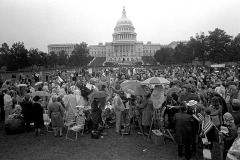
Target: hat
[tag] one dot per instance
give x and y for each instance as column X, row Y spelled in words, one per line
column 36, row 98
column 192, row 103
column 236, row 103
column 228, row 118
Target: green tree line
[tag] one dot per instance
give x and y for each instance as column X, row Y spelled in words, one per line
column 18, row 57
column 216, row 47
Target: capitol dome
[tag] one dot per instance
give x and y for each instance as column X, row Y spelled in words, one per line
column 124, row 20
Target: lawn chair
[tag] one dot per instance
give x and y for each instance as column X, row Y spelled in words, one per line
column 76, row 126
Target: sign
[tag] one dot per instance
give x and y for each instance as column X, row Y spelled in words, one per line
column 90, row 70
column 218, row 65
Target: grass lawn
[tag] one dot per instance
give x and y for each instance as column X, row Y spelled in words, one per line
column 111, row 147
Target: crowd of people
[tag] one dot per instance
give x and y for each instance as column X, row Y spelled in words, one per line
column 198, row 102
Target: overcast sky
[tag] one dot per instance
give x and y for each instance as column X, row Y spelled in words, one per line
column 38, row 23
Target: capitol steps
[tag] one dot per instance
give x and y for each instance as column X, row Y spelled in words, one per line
column 148, row 60
column 98, row 61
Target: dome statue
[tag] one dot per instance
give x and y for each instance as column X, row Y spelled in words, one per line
column 124, row 20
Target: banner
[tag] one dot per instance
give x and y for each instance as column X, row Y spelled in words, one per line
column 218, row 65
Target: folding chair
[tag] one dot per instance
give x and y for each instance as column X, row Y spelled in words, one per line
column 75, row 126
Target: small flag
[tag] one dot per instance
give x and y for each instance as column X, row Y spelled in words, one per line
column 207, row 126
column 200, row 116
column 195, row 117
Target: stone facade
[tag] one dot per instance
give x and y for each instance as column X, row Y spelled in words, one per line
column 124, row 48
column 68, row 48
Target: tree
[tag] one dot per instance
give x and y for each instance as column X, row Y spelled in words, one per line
column 52, row 59
column 218, row 43
column 234, row 53
column 164, row 55
column 62, row 58
column 20, row 54
column 43, row 58
column 179, row 55
column 4, row 55
column 199, row 47
column 80, row 55
column 34, row 57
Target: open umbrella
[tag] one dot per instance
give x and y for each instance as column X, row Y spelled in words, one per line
column 188, row 86
column 22, row 85
column 134, row 88
column 177, row 82
column 173, row 89
column 41, row 94
column 93, row 80
column 104, row 79
column 38, row 83
column 156, row 81
column 98, row 94
column 191, row 80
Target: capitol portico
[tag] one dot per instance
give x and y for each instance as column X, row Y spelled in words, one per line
column 124, row 48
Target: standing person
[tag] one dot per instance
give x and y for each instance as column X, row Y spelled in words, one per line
column 183, row 127
column 96, row 114
column 37, row 114
column 2, row 113
column 147, row 111
column 27, row 111
column 235, row 111
column 118, row 107
column 56, row 113
column 8, row 103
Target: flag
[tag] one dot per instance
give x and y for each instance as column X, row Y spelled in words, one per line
column 207, row 127
column 200, row 116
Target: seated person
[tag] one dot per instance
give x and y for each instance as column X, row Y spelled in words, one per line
column 16, row 112
column 108, row 114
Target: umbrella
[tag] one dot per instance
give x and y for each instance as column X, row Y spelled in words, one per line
column 3, row 89
column 134, row 88
column 22, row 85
column 173, row 89
column 99, row 94
column 156, row 81
column 104, row 79
column 94, row 80
column 177, row 82
column 188, row 86
column 231, row 83
column 41, row 94
column 38, row 83
column 191, row 80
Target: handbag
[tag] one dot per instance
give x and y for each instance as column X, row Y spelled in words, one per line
column 95, row 135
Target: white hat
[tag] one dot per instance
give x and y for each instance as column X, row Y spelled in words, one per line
column 192, row 103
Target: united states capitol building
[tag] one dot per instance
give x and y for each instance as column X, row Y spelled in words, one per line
column 124, row 48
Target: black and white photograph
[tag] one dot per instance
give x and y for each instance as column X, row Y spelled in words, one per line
column 119, row 80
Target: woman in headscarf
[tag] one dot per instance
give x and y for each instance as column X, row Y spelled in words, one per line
column 231, row 134
column 37, row 114
column 56, row 113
